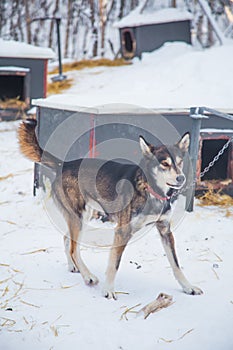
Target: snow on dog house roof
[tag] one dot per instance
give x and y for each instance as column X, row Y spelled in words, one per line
column 137, row 17
column 16, row 49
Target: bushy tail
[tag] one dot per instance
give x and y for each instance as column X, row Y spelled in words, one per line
column 28, row 143
column 30, row 147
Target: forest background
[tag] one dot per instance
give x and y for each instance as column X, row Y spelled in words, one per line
column 87, row 26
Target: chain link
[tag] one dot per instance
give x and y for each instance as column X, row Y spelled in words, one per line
column 209, row 166
column 216, row 158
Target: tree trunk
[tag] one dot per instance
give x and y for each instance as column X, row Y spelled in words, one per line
column 36, row 33
column 210, row 39
column 110, row 7
column 74, row 38
column 133, row 4
column 68, row 24
column 103, row 21
column 13, row 26
column 122, row 6
column 20, row 25
column 28, row 24
column 210, row 35
column 2, row 15
column 84, row 44
column 199, row 30
column 94, row 29
column 173, row 3
column 51, row 30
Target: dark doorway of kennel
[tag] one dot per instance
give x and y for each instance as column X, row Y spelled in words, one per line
column 222, row 168
column 14, row 83
column 14, row 90
column 128, row 43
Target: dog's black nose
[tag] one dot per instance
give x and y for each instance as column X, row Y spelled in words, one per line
column 180, row 179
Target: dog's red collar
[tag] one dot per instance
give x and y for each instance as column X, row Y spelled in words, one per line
column 156, row 195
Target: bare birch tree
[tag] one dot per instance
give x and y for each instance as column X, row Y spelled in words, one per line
column 68, row 27
column 103, row 21
column 94, row 30
column 122, row 6
column 173, row 3
column 28, row 19
column 51, row 27
column 85, row 24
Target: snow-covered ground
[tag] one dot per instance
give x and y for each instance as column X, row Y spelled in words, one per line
column 43, row 306
column 175, row 76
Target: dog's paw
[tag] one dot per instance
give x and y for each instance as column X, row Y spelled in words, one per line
column 90, row 279
column 109, row 294
column 73, row 268
column 192, row 290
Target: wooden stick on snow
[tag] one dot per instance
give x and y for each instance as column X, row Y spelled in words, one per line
column 163, row 300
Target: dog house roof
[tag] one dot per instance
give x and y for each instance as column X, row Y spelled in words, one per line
column 69, row 102
column 137, row 18
column 11, row 48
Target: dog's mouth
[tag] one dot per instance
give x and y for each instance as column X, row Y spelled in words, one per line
column 179, row 182
column 175, row 186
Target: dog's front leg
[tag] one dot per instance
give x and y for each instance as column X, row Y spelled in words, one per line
column 121, row 238
column 169, row 247
column 75, row 228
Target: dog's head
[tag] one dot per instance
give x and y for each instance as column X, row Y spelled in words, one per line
column 164, row 164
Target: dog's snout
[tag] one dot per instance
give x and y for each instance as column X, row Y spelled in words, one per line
column 180, row 178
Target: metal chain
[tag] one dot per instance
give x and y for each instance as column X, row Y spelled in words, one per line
column 209, row 166
column 216, row 158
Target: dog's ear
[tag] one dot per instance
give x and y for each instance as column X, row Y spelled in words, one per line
column 184, row 142
column 145, row 147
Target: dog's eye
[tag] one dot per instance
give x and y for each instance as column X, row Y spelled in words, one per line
column 165, row 164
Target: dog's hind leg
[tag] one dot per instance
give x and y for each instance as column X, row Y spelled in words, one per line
column 75, row 254
column 121, row 238
column 71, row 265
column 169, row 247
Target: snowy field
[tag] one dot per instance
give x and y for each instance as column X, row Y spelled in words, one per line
column 175, row 76
column 43, row 306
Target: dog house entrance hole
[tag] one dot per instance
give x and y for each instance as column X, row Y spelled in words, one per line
column 128, row 43
column 11, row 87
column 14, row 83
column 210, row 149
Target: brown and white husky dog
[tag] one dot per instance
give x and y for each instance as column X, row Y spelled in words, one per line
column 125, row 194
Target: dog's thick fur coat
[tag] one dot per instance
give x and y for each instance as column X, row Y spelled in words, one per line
column 125, row 194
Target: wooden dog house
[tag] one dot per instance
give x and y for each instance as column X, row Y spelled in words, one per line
column 145, row 32
column 23, row 74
